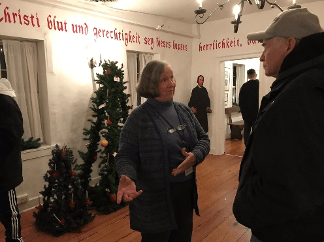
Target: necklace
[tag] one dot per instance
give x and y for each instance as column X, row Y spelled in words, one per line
column 180, row 129
column 175, row 129
column 171, row 130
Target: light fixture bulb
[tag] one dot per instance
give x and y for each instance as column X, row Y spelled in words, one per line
column 260, row 3
column 294, row 5
column 236, row 11
column 200, row 3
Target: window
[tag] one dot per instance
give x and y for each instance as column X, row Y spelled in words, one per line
column 3, row 66
column 20, row 65
column 136, row 61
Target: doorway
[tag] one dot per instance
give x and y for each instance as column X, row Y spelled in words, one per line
column 235, row 77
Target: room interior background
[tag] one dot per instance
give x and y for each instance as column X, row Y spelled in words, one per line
column 68, row 36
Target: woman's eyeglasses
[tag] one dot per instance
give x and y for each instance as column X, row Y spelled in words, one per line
column 166, row 80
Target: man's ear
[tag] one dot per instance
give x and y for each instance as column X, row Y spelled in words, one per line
column 291, row 44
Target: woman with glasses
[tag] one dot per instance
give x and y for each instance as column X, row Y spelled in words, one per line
column 160, row 146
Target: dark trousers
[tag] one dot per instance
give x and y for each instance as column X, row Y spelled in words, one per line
column 9, row 215
column 182, row 202
column 247, row 130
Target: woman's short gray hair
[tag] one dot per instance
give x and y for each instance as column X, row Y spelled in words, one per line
column 150, row 78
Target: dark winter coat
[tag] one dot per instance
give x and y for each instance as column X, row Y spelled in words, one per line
column 143, row 157
column 249, row 100
column 11, row 131
column 200, row 100
column 281, row 190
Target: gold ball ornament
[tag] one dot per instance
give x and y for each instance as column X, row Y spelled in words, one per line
column 104, row 142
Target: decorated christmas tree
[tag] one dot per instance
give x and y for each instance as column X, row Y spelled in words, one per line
column 65, row 202
column 110, row 110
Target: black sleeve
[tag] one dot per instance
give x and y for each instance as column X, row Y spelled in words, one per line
column 10, row 123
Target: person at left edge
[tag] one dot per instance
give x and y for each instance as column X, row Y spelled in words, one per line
column 160, row 146
column 11, row 131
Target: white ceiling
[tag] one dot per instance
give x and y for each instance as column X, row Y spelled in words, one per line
column 183, row 10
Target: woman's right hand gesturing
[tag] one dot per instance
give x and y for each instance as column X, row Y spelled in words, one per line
column 127, row 190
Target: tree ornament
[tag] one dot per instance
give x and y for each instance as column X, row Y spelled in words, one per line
column 108, row 122
column 104, row 142
column 39, row 207
column 95, row 158
column 87, row 202
column 72, row 204
column 60, row 222
column 112, row 197
column 63, row 152
column 108, row 71
column 55, row 174
column 102, row 106
column 73, row 174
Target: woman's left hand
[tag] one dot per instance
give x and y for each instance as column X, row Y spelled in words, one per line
column 190, row 160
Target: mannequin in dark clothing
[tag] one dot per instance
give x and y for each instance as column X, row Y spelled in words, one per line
column 200, row 103
column 249, row 102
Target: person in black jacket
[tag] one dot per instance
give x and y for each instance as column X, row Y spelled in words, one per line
column 249, row 102
column 11, row 131
column 200, row 103
column 280, row 195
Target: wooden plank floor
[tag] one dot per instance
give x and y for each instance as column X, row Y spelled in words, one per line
column 217, row 183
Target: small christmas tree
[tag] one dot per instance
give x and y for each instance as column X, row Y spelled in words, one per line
column 65, row 202
column 110, row 110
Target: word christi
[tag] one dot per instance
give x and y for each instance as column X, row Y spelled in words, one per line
column 19, row 18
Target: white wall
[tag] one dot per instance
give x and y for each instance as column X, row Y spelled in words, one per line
column 210, row 62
